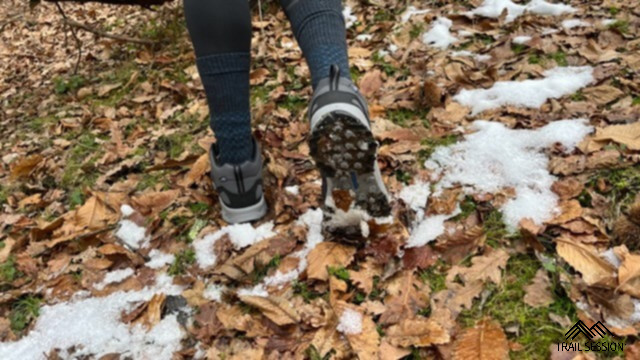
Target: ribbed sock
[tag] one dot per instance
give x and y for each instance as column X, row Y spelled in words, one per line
column 225, row 78
column 319, row 27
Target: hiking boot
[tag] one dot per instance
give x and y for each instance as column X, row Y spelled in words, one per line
column 343, row 146
column 239, row 187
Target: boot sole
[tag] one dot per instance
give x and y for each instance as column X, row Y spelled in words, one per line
column 345, row 151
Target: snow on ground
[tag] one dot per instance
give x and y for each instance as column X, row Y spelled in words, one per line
column 477, row 57
column 349, row 18
column 158, row 259
column 521, row 39
column 494, row 8
column 132, row 234
column 241, row 236
column 495, row 157
column 558, row 82
column 213, row 292
column 572, row 23
column 350, row 322
column 113, row 277
column 439, row 36
column 94, row 327
column 294, row 190
column 411, row 11
column 429, row 229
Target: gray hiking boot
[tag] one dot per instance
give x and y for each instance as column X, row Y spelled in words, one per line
column 343, row 146
column 239, row 187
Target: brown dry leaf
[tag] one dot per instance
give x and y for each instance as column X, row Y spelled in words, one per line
column 94, row 214
column 327, row 339
column 629, row 274
column 197, row 171
column 23, row 167
column 258, row 76
column 153, row 312
column 328, row 254
column 235, row 318
column 593, row 268
column 363, row 278
column 537, row 293
column 277, row 309
column 417, row 332
column 151, row 203
column 370, row 83
column 603, row 94
column 485, row 341
column 105, row 89
column 569, row 210
column 366, row 343
column 484, row 267
column 628, row 135
column 390, row 352
column 407, row 295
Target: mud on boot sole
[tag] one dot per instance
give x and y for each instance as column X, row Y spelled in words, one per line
column 345, row 152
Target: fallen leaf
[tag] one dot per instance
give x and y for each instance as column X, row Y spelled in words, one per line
column 328, row 254
column 417, row 332
column 603, row 94
column 628, row 135
column 593, row 268
column 537, row 293
column 484, row 267
column 105, row 89
column 277, row 309
column 485, row 341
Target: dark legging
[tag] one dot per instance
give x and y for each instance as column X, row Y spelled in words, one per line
column 221, row 34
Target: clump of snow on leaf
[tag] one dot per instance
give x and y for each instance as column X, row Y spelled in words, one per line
column 495, row 157
column 411, row 11
column 494, row 8
column 241, row 236
column 350, row 322
column 132, row 234
column 115, row 276
column 94, row 327
column 158, row 259
column 572, row 23
column 349, row 18
column 439, row 36
column 528, row 93
column 522, row 39
column 213, row 292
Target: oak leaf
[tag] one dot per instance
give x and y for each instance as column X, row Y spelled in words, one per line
column 537, row 293
column 328, row 254
column 593, row 268
column 485, row 341
column 277, row 309
column 417, row 332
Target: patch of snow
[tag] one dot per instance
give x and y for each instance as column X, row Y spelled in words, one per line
column 294, row 190
column 494, row 8
column 465, row 33
column 416, row 196
column 349, row 18
column 94, row 327
column 477, row 57
column 258, row 290
column 350, row 322
column 429, row 229
column 549, row 31
column 495, row 157
column 411, row 11
column 158, row 259
column 610, row 256
column 115, row 276
column 132, row 234
column 213, row 292
column 364, row 37
column 607, row 22
column 393, row 48
column 572, row 23
column 523, row 39
column 126, row 210
column 439, row 36
column 558, row 82
column 240, row 235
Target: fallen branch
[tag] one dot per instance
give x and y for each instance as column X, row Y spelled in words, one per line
column 106, row 34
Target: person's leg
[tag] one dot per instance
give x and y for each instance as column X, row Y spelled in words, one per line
column 319, row 27
column 221, row 34
column 341, row 141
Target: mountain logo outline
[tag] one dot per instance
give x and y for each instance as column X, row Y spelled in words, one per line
column 596, row 331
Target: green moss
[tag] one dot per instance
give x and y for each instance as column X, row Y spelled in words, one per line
column 339, row 272
column 578, row 96
column 182, row 261
column 23, row 312
column 4, row 194
column 536, row 332
column 535, row 59
column 174, row 144
column 383, row 15
column 431, row 144
column 518, row 48
column 403, row 176
column 294, row 103
column 302, row 289
column 622, row 26
column 38, row 124
column 623, row 184
column 467, row 207
column 494, row 228
column 260, row 94
column 8, row 270
column 613, row 10
column 435, row 275
column 261, row 271
column 416, row 30
column 151, row 179
column 559, row 57
column 386, row 67
column 636, row 101
column 62, row 85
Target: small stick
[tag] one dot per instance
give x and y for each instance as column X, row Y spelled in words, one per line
column 75, row 36
column 108, row 35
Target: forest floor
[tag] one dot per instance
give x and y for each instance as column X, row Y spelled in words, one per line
column 510, row 144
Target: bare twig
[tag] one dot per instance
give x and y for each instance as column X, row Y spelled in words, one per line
column 11, row 18
column 108, row 35
column 75, row 36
